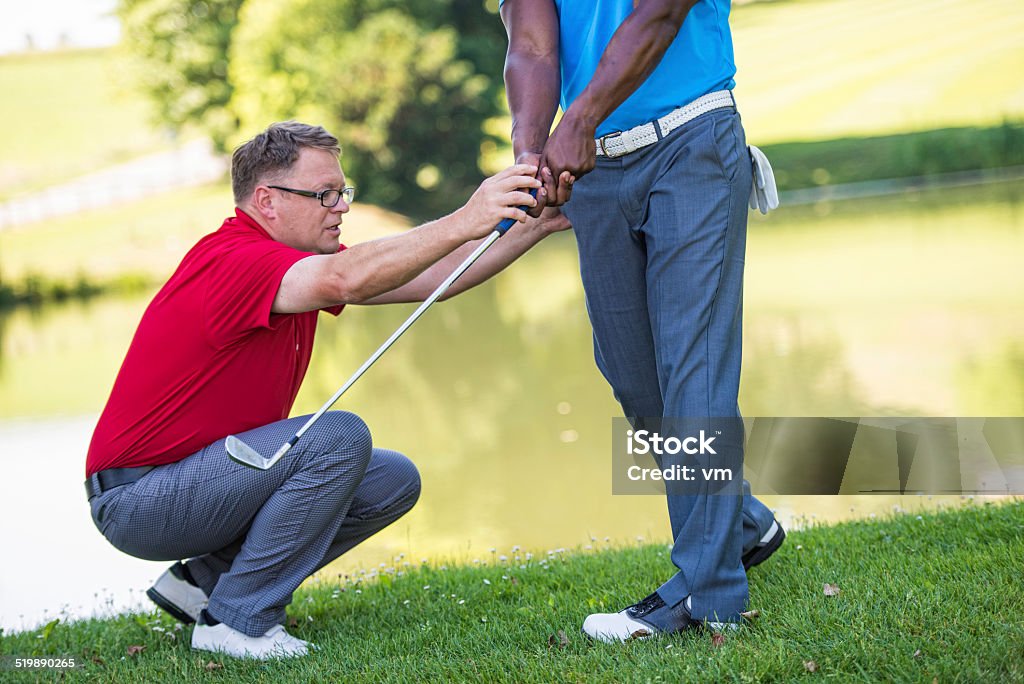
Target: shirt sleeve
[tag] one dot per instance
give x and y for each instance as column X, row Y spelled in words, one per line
column 241, row 285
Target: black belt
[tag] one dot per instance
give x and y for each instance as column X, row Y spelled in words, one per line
column 103, row 480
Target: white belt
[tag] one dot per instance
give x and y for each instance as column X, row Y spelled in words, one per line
column 623, row 142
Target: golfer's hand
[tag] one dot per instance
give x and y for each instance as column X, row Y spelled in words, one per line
column 499, row 197
column 533, row 159
column 570, row 153
column 552, row 220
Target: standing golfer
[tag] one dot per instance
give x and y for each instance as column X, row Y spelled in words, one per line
column 650, row 161
column 223, row 348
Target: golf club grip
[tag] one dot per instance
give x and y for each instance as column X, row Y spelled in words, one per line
column 503, row 227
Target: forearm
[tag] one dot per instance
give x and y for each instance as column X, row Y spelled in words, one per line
column 532, row 74
column 373, row 268
column 632, row 54
column 516, row 242
column 532, row 87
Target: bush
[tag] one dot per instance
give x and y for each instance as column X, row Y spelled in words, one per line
column 407, row 86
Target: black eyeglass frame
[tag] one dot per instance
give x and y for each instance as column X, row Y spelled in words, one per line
column 348, row 192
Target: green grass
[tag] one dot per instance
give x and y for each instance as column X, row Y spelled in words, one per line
column 820, row 69
column 67, row 113
column 935, row 595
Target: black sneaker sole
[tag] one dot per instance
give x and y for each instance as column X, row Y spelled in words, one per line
column 761, row 553
column 167, row 606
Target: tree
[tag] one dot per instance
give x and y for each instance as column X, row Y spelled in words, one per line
column 181, row 60
column 407, row 86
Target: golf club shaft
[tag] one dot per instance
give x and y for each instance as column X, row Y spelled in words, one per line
column 441, row 289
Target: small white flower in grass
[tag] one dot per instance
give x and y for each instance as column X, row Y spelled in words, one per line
column 444, row 567
column 523, row 566
column 494, row 550
column 639, row 538
column 462, row 601
column 668, row 647
column 503, row 558
column 588, row 547
column 920, row 517
column 529, row 556
column 159, row 629
column 504, row 577
column 399, row 573
column 359, row 591
column 405, row 564
column 406, row 602
column 799, row 547
column 309, row 618
column 607, row 539
column 515, row 549
column 426, row 587
column 487, row 582
column 476, row 561
column 423, row 561
column 483, row 619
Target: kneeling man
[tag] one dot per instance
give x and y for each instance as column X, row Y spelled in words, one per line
column 222, row 349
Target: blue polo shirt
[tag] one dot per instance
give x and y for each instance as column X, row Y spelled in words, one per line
column 699, row 61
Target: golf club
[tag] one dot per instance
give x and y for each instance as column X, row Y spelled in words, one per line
column 242, row 453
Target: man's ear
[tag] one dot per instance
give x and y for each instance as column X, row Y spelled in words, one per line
column 263, row 202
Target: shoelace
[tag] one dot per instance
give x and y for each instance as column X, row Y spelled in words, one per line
column 645, row 605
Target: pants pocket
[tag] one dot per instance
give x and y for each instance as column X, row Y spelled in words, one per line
column 725, row 135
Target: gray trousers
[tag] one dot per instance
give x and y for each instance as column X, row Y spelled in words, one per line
column 662, row 237
column 253, row 536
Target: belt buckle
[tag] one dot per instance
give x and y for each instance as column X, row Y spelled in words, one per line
column 610, row 136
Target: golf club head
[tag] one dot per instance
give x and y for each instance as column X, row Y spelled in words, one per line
column 242, row 453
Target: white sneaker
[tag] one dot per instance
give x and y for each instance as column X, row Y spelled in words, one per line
column 645, row 619
column 276, row 643
column 176, row 596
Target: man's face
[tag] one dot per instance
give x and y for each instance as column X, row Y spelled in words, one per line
column 302, row 222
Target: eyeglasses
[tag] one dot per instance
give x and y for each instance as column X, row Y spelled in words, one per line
column 328, row 198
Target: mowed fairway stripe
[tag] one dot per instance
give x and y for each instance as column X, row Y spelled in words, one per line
column 838, row 68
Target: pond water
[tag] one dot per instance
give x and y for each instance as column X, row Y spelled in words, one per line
column 902, row 306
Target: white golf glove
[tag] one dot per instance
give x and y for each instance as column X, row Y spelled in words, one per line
column 764, row 196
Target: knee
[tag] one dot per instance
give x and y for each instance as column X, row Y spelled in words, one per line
column 403, row 480
column 341, row 438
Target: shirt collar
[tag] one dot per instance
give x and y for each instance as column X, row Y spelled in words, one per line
column 243, row 219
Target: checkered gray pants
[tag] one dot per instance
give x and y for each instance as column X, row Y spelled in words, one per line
column 253, row 536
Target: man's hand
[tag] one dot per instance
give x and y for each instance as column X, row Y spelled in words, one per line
column 569, row 154
column 499, row 197
column 552, row 220
column 557, row 188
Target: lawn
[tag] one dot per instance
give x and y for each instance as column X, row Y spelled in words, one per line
column 68, row 113
column 819, row 69
column 920, row 597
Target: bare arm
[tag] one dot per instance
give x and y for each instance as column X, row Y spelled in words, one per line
column 632, row 54
column 532, row 80
column 372, row 268
column 516, row 242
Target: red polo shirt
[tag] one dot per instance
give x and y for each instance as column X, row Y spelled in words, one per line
column 209, row 359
